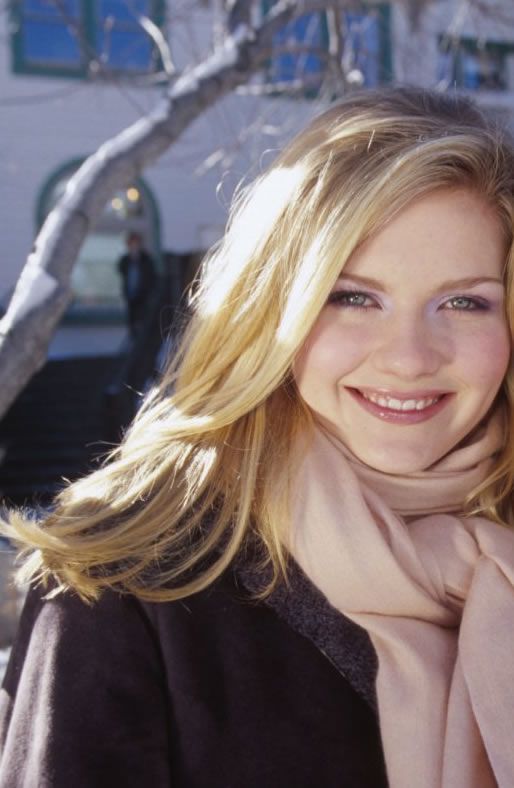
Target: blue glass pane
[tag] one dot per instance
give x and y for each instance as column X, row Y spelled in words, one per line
column 52, row 43
column 482, row 69
column 287, row 66
column 120, row 49
column 49, row 8
column 470, row 72
column 363, row 38
column 445, row 67
column 124, row 10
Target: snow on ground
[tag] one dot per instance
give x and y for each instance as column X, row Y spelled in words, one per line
column 4, row 656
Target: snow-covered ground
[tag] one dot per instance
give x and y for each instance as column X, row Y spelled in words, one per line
column 11, row 602
column 4, row 656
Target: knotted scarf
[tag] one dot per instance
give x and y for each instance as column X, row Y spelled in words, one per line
column 434, row 590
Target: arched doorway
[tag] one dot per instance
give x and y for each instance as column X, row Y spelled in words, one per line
column 95, row 280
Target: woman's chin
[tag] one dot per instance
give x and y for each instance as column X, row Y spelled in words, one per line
column 398, row 463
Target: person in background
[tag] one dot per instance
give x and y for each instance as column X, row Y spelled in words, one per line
column 137, row 271
column 297, row 570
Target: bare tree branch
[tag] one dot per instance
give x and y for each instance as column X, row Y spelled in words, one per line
column 238, row 13
column 335, row 25
column 160, row 42
column 43, row 290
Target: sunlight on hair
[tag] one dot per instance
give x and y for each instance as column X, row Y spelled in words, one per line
column 204, row 470
column 305, row 290
column 258, row 213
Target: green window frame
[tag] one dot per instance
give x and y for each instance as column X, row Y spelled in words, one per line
column 474, row 64
column 83, row 38
column 376, row 70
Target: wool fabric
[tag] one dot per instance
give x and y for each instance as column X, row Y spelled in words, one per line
column 435, row 591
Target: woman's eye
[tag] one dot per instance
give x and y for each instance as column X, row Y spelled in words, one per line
column 465, row 304
column 351, row 298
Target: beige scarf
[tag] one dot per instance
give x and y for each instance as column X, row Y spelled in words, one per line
column 436, row 596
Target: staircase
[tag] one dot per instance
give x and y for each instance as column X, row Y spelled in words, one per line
column 56, row 428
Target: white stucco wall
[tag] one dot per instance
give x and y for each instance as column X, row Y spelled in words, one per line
column 45, row 122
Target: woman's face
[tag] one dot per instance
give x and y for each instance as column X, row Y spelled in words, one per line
column 412, row 346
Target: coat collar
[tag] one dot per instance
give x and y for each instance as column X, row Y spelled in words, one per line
column 306, row 610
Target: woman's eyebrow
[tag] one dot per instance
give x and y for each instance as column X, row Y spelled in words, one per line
column 365, row 281
column 469, row 281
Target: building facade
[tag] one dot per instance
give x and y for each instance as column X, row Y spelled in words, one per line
column 77, row 72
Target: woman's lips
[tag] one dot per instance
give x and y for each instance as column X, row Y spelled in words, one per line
column 420, row 412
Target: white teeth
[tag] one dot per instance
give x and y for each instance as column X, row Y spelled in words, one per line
column 398, row 404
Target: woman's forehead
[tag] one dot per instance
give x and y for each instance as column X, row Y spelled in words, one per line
column 453, row 232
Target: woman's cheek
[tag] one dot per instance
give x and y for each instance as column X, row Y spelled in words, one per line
column 487, row 353
column 328, row 354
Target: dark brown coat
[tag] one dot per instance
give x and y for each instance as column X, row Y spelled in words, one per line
column 215, row 691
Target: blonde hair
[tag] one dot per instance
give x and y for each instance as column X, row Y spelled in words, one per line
column 203, row 472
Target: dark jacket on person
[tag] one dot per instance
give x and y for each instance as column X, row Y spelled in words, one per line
column 138, row 289
column 213, row 691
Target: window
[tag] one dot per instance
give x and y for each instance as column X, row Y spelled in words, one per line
column 95, row 279
column 475, row 65
column 83, row 37
column 367, row 45
column 301, row 48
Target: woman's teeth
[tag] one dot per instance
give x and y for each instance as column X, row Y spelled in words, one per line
column 400, row 404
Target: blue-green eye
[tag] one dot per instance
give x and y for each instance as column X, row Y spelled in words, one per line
column 466, row 304
column 352, row 299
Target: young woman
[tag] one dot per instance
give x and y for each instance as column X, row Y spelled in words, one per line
column 298, row 568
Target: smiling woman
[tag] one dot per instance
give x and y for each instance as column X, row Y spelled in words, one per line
column 414, row 333
column 326, row 472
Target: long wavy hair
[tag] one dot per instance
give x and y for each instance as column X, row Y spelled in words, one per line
column 204, row 469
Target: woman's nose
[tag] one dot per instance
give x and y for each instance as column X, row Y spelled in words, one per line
column 411, row 349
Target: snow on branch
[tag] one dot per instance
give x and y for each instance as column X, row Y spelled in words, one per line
column 155, row 33
column 43, row 290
